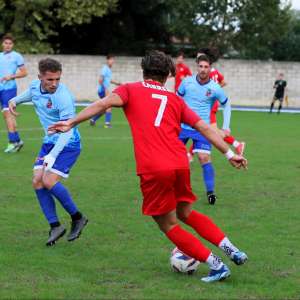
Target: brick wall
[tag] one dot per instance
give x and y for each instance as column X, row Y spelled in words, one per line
column 249, row 82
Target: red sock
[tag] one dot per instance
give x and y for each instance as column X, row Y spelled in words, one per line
column 205, row 227
column 191, row 149
column 229, row 139
column 188, row 243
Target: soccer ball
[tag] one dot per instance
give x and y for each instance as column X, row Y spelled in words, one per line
column 182, row 263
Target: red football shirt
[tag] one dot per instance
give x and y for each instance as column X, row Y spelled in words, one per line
column 218, row 77
column 154, row 115
column 182, row 71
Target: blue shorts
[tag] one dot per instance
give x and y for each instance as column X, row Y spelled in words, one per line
column 201, row 144
column 5, row 96
column 63, row 163
column 101, row 92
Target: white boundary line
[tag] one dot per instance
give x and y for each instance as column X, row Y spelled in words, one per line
column 233, row 107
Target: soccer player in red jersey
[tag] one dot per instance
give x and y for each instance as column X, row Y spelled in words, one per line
column 154, row 115
column 182, row 70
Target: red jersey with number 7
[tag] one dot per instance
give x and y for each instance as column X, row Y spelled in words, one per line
column 154, row 115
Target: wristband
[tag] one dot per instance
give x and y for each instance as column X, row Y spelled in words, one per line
column 229, row 154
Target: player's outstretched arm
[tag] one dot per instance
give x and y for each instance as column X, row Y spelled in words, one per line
column 98, row 107
column 22, row 98
column 235, row 160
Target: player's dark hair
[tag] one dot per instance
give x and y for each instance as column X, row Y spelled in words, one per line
column 49, row 65
column 109, row 56
column 202, row 57
column 8, row 36
column 157, row 65
column 180, row 53
column 212, row 53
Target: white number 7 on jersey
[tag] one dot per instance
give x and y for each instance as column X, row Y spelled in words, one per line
column 162, row 107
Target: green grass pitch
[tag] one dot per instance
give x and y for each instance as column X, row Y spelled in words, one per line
column 122, row 254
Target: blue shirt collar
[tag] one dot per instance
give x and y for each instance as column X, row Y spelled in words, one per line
column 42, row 91
column 200, row 82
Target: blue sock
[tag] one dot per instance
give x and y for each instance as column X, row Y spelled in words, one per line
column 17, row 137
column 64, row 197
column 107, row 117
column 11, row 137
column 95, row 118
column 47, row 204
column 209, row 177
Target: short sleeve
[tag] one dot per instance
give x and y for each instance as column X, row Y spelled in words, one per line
column 65, row 102
column 220, row 77
column 123, row 92
column 188, row 72
column 20, row 60
column 220, row 96
column 181, row 89
column 188, row 116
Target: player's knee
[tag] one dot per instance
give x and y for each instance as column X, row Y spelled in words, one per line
column 6, row 114
column 204, row 158
column 48, row 182
column 182, row 215
column 37, row 183
column 183, row 211
column 165, row 224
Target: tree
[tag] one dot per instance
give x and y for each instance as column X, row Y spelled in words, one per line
column 134, row 27
column 287, row 48
column 206, row 22
column 33, row 22
column 246, row 28
column 259, row 31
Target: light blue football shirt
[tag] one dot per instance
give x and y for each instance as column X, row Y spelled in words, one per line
column 51, row 108
column 106, row 74
column 9, row 64
column 201, row 97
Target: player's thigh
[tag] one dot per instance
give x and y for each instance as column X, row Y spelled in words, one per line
column 203, row 149
column 158, row 192
column 6, row 95
column 65, row 161
column 166, row 221
column 37, row 179
column 183, row 193
column 184, row 135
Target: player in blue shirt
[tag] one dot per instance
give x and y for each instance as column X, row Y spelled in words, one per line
column 11, row 67
column 53, row 102
column 105, row 79
column 200, row 93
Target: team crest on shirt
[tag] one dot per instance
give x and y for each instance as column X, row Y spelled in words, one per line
column 208, row 93
column 49, row 104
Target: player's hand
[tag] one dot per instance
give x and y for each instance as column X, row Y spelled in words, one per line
column 6, row 78
column 12, row 108
column 49, row 162
column 61, row 126
column 239, row 162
